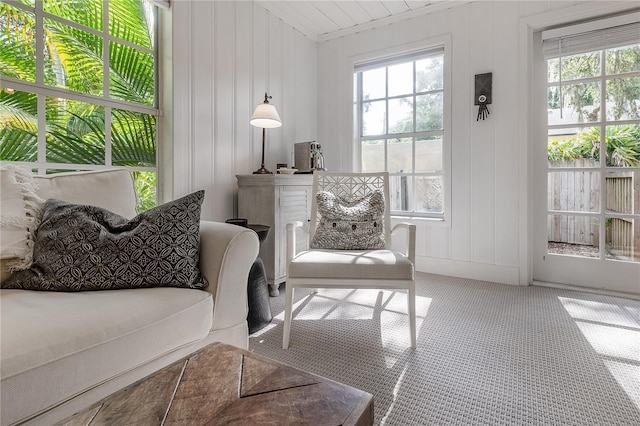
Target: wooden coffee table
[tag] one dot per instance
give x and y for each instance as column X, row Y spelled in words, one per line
column 224, row 385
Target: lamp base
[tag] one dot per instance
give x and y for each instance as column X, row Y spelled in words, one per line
column 262, row 171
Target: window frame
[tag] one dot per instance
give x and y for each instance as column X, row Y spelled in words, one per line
column 43, row 91
column 387, row 57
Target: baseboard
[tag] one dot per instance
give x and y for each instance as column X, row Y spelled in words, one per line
column 588, row 290
column 476, row 271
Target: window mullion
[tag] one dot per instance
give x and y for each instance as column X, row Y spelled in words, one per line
column 41, row 100
column 105, row 50
column 106, row 81
column 107, row 136
column 386, row 118
column 59, row 92
column 603, row 157
column 359, row 108
column 42, row 130
column 39, row 43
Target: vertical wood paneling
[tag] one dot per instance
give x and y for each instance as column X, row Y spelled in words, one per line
column 343, row 109
column 306, row 78
column 329, row 134
column 275, row 137
column 288, row 104
column 244, row 101
column 439, row 242
column 483, row 141
column 423, row 235
column 260, row 78
column 462, row 105
column 224, row 42
column 203, row 108
column 235, row 51
column 182, row 144
column 505, row 92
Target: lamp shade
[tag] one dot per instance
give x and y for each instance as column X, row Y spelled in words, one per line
column 265, row 116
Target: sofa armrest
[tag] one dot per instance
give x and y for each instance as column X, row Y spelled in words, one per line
column 226, row 255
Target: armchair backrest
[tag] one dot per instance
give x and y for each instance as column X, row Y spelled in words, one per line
column 351, row 186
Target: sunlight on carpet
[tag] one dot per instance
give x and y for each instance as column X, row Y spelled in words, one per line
column 613, row 332
column 487, row 353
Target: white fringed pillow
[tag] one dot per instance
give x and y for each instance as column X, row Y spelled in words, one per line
column 19, row 216
column 349, row 225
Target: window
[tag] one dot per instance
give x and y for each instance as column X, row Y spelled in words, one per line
column 593, row 142
column 77, row 87
column 401, row 128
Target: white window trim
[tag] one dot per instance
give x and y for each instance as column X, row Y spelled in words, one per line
column 445, row 42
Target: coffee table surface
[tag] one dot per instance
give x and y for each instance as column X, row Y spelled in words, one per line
column 224, row 385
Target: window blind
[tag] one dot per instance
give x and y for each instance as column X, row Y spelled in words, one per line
column 582, row 38
column 398, row 59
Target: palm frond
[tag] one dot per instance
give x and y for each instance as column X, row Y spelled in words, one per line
column 18, row 144
column 133, row 139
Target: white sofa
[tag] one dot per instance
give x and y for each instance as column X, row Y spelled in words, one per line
column 62, row 351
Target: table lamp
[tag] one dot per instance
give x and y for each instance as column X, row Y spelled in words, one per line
column 267, row 117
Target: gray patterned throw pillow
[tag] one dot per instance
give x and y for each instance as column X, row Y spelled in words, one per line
column 349, row 225
column 81, row 247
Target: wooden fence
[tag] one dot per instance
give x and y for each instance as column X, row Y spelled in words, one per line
column 574, row 191
column 580, row 191
column 620, row 233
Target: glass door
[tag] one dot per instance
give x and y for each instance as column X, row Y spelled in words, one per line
column 587, row 183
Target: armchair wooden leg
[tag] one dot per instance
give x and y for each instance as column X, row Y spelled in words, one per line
column 411, row 298
column 288, row 302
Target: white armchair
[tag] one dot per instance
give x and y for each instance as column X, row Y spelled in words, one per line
column 380, row 268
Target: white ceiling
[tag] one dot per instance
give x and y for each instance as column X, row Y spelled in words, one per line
column 325, row 19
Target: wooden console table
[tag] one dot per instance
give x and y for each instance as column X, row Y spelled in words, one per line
column 224, row 385
column 275, row 200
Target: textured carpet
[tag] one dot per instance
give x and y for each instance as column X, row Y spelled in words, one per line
column 488, row 354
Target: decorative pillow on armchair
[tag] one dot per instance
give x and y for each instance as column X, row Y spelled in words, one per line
column 80, row 247
column 349, row 225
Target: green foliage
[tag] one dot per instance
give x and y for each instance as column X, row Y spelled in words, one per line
column 622, row 94
column 145, row 183
column 73, row 60
column 561, row 151
column 622, row 145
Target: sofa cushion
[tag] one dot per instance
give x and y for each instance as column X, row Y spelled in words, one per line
column 81, row 247
column 111, row 189
column 56, row 345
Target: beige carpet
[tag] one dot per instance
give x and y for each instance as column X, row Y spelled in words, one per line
column 488, row 354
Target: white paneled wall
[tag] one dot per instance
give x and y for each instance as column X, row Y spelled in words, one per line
column 482, row 241
column 226, row 54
